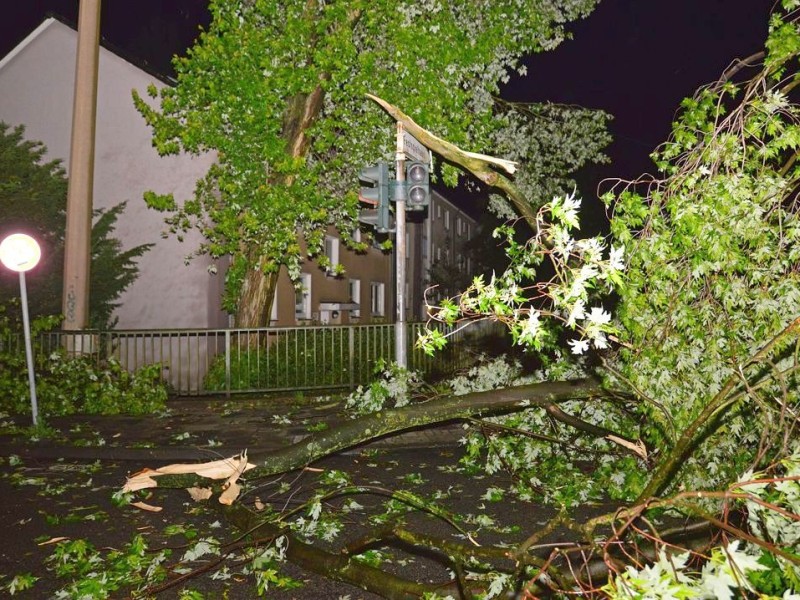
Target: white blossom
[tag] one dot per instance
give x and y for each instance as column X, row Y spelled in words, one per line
column 562, row 241
column 578, row 346
column 599, row 340
column 577, row 313
column 599, row 316
column 615, row 259
column 531, row 327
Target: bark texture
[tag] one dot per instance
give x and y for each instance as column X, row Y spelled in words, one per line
column 258, row 288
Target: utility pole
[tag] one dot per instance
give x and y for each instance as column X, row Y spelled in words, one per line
column 77, row 246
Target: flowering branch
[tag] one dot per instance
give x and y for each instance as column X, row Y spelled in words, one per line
column 532, row 308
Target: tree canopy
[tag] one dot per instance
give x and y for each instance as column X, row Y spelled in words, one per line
column 277, row 90
column 682, row 403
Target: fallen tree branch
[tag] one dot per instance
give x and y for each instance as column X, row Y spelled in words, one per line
column 668, row 466
column 391, row 421
column 338, row 567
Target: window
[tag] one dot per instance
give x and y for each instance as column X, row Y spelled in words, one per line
column 438, row 211
column 447, row 219
column 459, row 225
column 332, row 251
column 273, row 315
column 376, row 292
column 302, row 297
column 355, row 296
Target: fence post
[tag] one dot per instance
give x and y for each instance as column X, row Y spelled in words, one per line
column 227, row 363
column 351, row 346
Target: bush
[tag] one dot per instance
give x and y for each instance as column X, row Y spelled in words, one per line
column 66, row 386
column 314, row 357
column 319, row 357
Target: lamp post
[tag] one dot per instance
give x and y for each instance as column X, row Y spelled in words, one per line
column 20, row 252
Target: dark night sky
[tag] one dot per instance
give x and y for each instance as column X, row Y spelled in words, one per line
column 633, row 58
column 637, row 59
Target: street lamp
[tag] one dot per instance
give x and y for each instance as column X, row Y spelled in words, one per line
column 20, row 252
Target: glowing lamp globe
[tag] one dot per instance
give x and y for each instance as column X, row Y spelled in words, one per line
column 20, row 252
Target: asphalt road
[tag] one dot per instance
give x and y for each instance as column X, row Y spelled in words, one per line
column 62, row 487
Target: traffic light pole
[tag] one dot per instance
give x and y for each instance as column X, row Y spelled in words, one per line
column 400, row 337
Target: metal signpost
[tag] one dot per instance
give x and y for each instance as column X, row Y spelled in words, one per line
column 400, row 346
column 408, row 191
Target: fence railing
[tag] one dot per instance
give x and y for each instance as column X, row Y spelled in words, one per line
column 227, row 361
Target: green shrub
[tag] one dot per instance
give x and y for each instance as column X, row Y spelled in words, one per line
column 318, row 357
column 66, row 386
column 80, row 385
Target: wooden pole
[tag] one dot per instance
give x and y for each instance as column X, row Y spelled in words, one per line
column 77, row 247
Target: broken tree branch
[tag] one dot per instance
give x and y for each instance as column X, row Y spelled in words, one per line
column 480, row 165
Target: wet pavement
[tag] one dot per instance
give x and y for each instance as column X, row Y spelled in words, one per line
column 60, row 487
column 198, row 428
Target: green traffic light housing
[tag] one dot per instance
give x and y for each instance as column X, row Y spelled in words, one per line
column 376, row 184
column 418, row 185
column 375, row 192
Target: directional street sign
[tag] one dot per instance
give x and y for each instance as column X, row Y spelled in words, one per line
column 414, row 149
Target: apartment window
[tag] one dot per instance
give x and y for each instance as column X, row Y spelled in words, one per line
column 438, row 253
column 332, row 251
column 273, row 315
column 447, row 219
column 376, row 296
column 302, row 297
column 355, row 296
column 459, row 225
column 438, row 211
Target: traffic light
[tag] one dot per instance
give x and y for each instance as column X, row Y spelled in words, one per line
column 418, row 185
column 375, row 192
column 376, row 184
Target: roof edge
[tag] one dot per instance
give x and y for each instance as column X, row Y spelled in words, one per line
column 126, row 56
column 27, row 40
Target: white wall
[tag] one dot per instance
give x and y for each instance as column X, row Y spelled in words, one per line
column 36, row 89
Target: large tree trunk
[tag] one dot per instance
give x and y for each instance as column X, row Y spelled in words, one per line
column 256, row 298
column 258, row 288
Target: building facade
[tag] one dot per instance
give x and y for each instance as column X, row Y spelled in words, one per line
column 438, row 240
column 36, row 90
column 362, row 295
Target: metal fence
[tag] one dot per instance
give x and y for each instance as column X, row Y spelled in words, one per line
column 228, row 361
